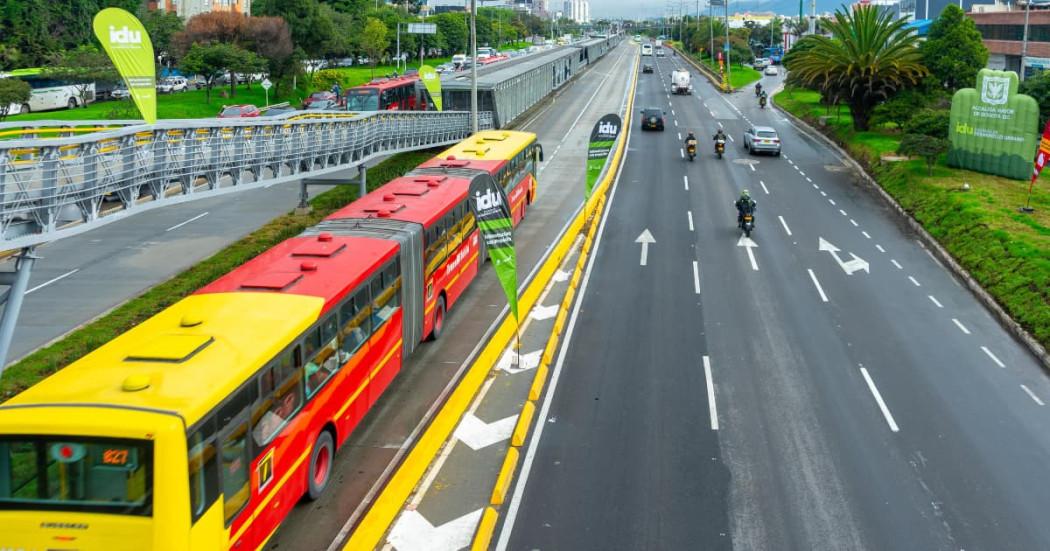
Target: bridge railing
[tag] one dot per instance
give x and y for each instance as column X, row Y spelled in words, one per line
column 76, row 181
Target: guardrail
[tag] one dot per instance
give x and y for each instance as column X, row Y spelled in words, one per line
column 63, row 186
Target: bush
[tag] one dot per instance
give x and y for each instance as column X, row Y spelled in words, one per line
column 929, row 122
column 900, row 108
column 927, row 147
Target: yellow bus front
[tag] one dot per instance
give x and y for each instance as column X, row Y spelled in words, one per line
column 88, row 477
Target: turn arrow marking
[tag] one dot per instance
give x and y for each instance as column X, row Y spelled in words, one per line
column 645, row 239
column 748, row 245
column 413, row 532
column 478, row 434
column 855, row 264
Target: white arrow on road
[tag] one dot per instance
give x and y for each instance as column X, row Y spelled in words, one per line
column 413, row 532
column 510, row 361
column 645, row 238
column 540, row 313
column 748, row 244
column 849, row 266
column 478, row 434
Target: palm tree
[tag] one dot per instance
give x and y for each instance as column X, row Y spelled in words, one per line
column 869, row 56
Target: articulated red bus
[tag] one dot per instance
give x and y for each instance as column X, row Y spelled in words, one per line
column 405, row 93
column 203, row 426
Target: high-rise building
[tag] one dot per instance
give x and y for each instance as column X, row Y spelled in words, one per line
column 577, row 10
column 188, row 8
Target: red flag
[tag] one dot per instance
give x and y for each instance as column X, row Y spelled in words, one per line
column 1042, row 156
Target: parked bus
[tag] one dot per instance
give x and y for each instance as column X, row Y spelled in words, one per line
column 647, row 49
column 49, row 94
column 405, row 93
column 203, row 426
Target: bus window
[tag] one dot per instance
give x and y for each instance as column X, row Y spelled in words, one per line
column 362, row 99
column 204, row 470
column 280, row 397
column 386, row 292
column 353, row 316
column 236, row 456
column 388, row 99
column 327, row 359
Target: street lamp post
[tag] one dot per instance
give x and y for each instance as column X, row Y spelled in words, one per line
column 473, row 67
column 1024, row 41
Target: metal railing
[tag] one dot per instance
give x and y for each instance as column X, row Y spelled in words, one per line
column 61, row 186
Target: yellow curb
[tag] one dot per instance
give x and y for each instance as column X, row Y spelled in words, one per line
column 538, row 382
column 524, row 421
column 487, row 526
column 506, row 473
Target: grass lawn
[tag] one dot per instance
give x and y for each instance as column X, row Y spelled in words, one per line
column 181, row 105
column 1006, row 251
column 739, row 75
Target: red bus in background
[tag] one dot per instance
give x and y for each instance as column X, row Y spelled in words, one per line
column 404, row 93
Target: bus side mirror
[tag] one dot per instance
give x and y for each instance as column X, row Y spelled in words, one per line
column 539, row 153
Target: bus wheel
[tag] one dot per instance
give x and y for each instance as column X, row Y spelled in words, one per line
column 72, row 103
column 320, row 465
column 439, row 319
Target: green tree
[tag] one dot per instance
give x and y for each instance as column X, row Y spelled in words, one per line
column 162, row 28
column 213, row 60
column 311, row 26
column 13, row 91
column 953, row 50
column 927, row 147
column 453, row 27
column 1038, row 86
column 81, row 67
column 374, row 41
column 802, row 45
column 869, row 57
column 929, row 122
column 901, row 108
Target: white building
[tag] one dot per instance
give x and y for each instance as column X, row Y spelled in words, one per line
column 188, row 8
column 577, row 10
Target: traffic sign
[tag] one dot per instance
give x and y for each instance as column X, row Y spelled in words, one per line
column 266, row 84
column 422, row 28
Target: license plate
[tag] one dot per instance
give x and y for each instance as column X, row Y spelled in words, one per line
column 747, row 218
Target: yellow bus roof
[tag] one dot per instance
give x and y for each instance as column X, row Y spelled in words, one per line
column 191, row 355
column 499, row 145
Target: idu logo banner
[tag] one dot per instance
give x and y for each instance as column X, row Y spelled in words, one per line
column 432, row 82
column 128, row 45
column 603, row 136
column 492, row 212
column 992, row 128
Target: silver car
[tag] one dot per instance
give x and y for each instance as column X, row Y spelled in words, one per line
column 762, row 139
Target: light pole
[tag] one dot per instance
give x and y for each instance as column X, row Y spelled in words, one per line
column 1024, row 41
column 473, row 67
column 711, row 24
column 729, row 68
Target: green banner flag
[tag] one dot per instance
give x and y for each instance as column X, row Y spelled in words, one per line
column 492, row 211
column 129, row 47
column 603, row 136
column 992, row 128
column 432, row 81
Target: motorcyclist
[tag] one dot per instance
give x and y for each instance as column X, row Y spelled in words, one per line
column 762, row 99
column 690, row 139
column 745, row 205
column 758, row 89
column 720, row 135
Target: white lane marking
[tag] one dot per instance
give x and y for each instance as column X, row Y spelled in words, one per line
column 177, row 226
column 935, row 301
column 685, row 179
column 808, row 179
column 879, row 247
column 676, row 122
column 478, row 434
column 1032, row 395
column 719, row 124
column 764, row 188
column 878, row 399
column 992, row 356
column 854, row 222
column 790, row 162
column 679, row 135
column 713, row 116
column 413, row 531
column 800, row 172
column 815, row 186
column 843, row 212
column 914, row 281
column 823, row 194
column 681, row 152
column 515, row 362
column 731, row 137
column 820, row 289
column 696, row 276
column 960, row 326
column 866, row 234
column 897, row 264
column 690, row 213
column 752, row 166
column 832, row 201
column 541, row 312
column 712, row 409
column 749, row 246
column 52, row 280
column 785, row 224
column 673, row 113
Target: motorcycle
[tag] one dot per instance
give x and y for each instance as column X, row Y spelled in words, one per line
column 720, row 147
column 691, row 150
column 747, row 223
column 762, row 102
column 758, row 91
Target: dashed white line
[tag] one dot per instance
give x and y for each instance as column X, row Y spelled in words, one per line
column 815, row 186
column 785, row 224
column 752, row 166
column 790, row 162
column 690, row 213
column 897, row 264
column 992, row 356
column 960, row 326
column 878, row 399
column 730, row 137
column 935, row 301
column 52, row 280
column 673, row 113
column 177, row 226
column 854, row 222
column 1032, row 395
column 808, row 179
column 914, row 281
column 696, row 276
column 843, row 212
column 681, row 152
column 710, row 394
column 676, row 122
column 679, row 135
column 800, row 172
column 817, row 284
column 879, row 247
column 823, row 194
column 832, row 201
column 866, row 234
column 764, row 188
column 685, row 179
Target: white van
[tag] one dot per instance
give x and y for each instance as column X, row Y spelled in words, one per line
column 647, row 49
column 680, row 82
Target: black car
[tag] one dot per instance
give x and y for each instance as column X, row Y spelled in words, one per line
column 652, row 119
column 647, row 68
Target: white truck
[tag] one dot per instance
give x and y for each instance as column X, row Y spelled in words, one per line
column 680, row 82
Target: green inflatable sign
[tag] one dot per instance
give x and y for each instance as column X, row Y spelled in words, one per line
column 128, row 45
column 432, row 81
column 994, row 129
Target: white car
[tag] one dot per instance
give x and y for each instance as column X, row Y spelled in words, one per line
column 760, row 63
column 771, row 70
column 172, row 84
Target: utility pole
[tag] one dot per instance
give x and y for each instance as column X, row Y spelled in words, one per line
column 813, row 16
column 473, row 67
column 729, row 68
column 1024, row 41
column 711, row 24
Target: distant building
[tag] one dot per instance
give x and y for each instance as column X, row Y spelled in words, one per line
column 1003, row 34
column 577, row 10
column 188, row 8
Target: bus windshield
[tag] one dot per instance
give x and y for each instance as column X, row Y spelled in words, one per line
column 362, row 99
column 55, row 473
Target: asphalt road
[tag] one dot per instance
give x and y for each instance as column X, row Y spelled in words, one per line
column 784, row 399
